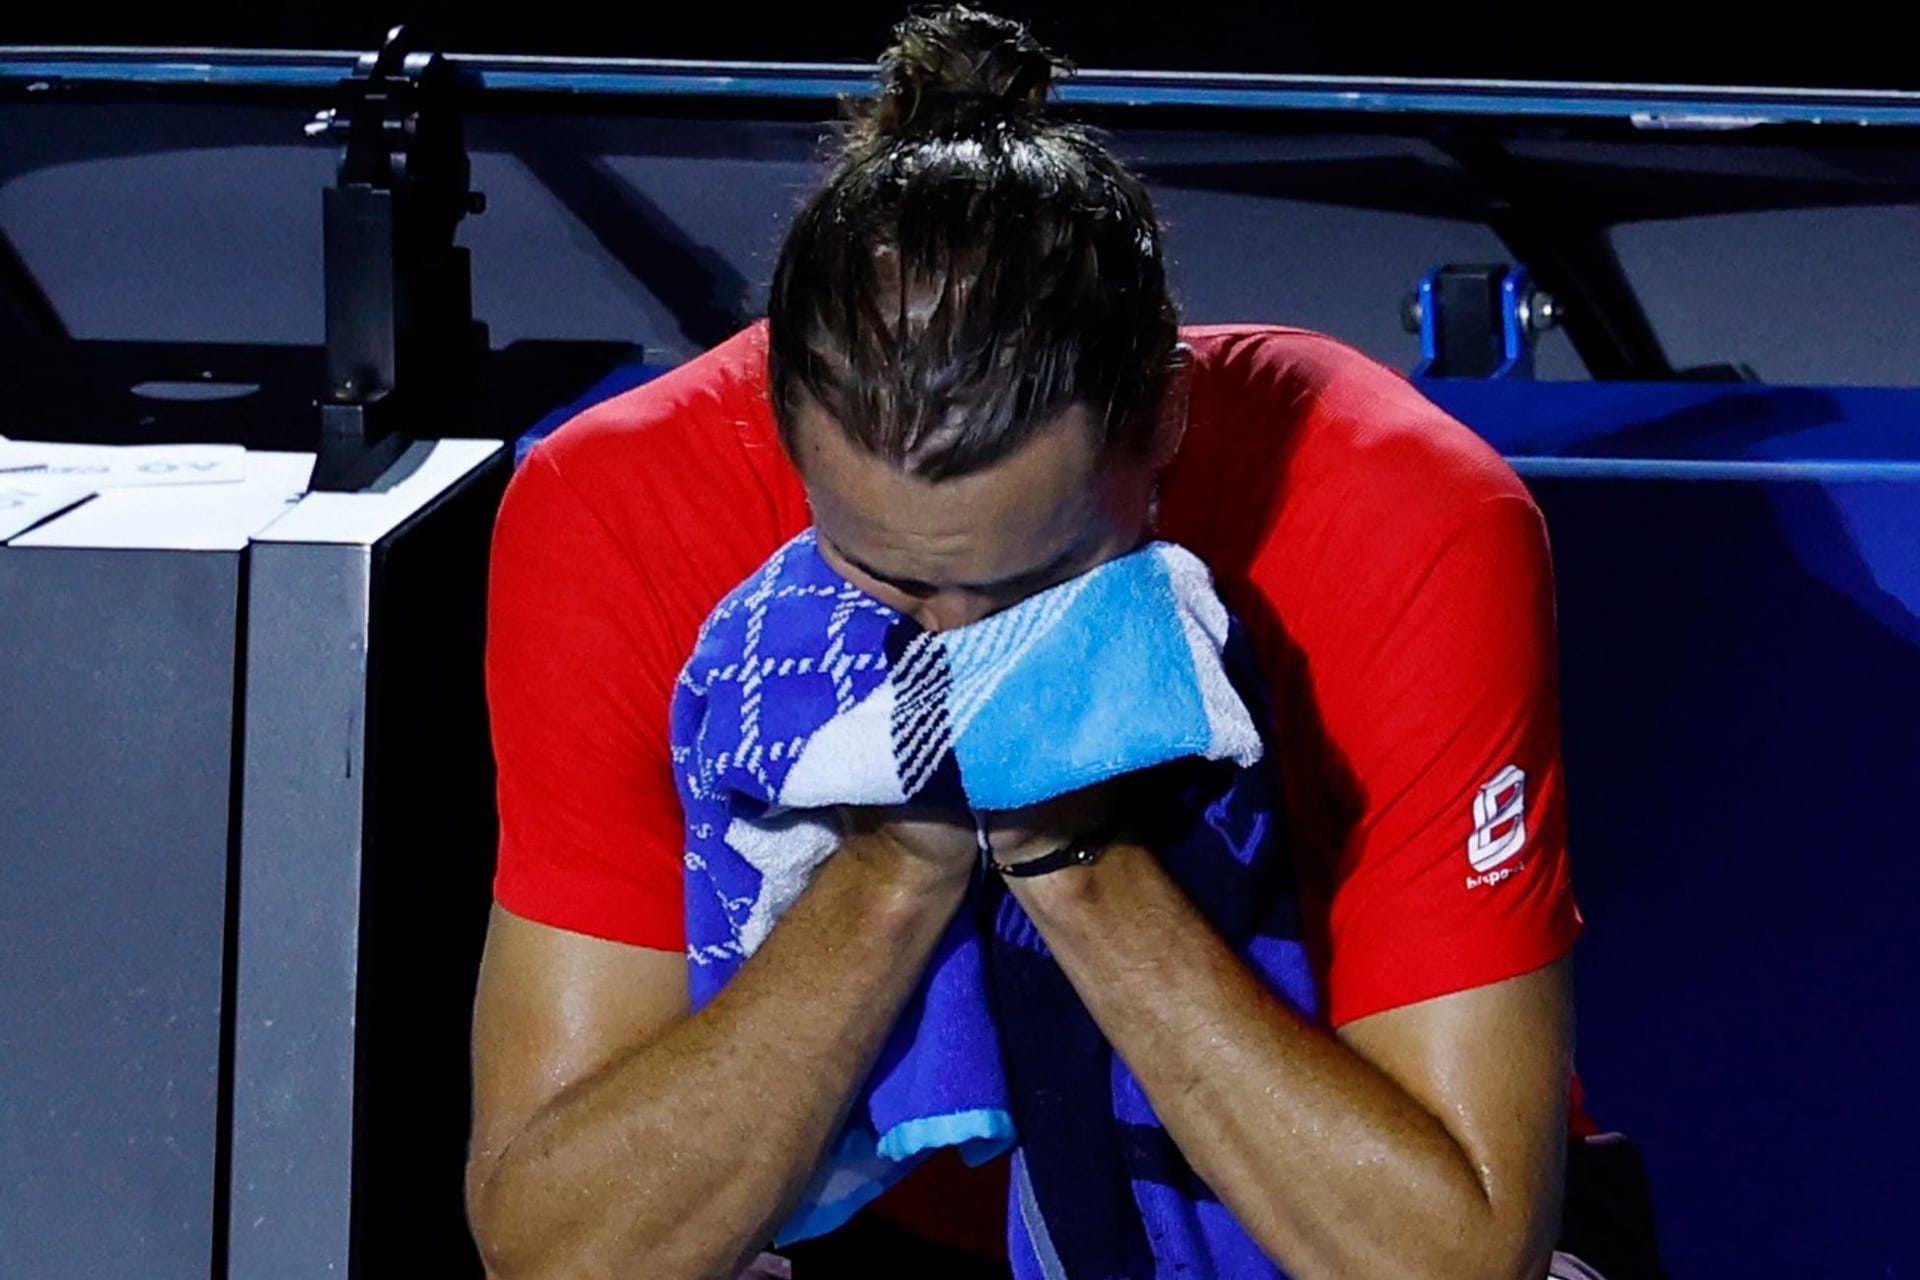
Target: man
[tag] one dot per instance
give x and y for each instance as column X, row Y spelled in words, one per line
column 971, row 385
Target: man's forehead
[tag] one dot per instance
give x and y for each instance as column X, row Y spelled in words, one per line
column 1002, row 521
column 1061, row 457
column 1068, row 440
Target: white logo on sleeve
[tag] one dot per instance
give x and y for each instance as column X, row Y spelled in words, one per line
column 1499, row 826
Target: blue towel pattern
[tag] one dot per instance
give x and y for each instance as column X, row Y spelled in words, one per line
column 803, row 693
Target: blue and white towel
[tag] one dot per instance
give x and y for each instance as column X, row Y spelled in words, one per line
column 803, row 694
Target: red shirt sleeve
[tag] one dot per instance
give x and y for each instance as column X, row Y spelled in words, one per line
column 1395, row 574
column 1455, row 873
column 618, row 535
column 578, row 677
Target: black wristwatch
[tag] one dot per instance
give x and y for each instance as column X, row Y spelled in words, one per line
column 1080, row 852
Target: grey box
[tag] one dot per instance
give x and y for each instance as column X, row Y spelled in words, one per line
column 245, row 864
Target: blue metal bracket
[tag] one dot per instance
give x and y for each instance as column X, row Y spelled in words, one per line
column 1478, row 321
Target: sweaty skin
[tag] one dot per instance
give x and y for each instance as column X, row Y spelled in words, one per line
column 615, row 1134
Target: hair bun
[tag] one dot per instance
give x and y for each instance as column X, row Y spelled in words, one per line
column 951, row 68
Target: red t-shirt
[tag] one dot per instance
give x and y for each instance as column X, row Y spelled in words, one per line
column 1391, row 568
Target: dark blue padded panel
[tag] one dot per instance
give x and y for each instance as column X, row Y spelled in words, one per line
column 1742, row 728
column 1705, row 421
column 1739, row 587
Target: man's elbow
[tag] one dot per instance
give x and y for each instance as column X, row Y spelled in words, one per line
column 1513, row 1254
column 1483, row 1263
column 1480, row 1246
column 1530, row 1265
column 1512, row 1235
column 514, row 1244
column 510, row 1247
column 487, row 1223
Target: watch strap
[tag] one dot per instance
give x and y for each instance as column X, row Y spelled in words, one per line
column 1079, row 852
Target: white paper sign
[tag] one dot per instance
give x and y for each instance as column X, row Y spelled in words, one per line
column 25, row 501
column 97, row 466
column 183, row 517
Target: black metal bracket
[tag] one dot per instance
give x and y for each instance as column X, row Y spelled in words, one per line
column 1478, row 321
column 403, row 349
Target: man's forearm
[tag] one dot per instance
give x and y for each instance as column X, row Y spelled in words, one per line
column 1332, row 1167
column 680, row 1157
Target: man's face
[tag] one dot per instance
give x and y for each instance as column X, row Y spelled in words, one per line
column 950, row 552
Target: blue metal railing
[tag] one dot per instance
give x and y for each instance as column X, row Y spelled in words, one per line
column 1649, row 106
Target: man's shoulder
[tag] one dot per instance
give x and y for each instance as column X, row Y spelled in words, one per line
column 684, row 475
column 1251, row 349
column 694, row 406
column 1348, row 443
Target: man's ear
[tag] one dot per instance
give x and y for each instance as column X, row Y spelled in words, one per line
column 1170, row 426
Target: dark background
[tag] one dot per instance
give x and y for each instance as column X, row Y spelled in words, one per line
column 1847, row 45
column 1740, row 713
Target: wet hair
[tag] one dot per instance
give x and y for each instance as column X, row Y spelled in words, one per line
column 971, row 268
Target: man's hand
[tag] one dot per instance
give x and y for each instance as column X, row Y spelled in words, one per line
column 917, row 848
column 1021, row 835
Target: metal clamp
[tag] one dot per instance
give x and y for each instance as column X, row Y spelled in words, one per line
column 1478, row 321
column 402, row 343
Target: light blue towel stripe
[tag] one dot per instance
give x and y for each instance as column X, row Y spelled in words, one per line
column 982, row 1135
